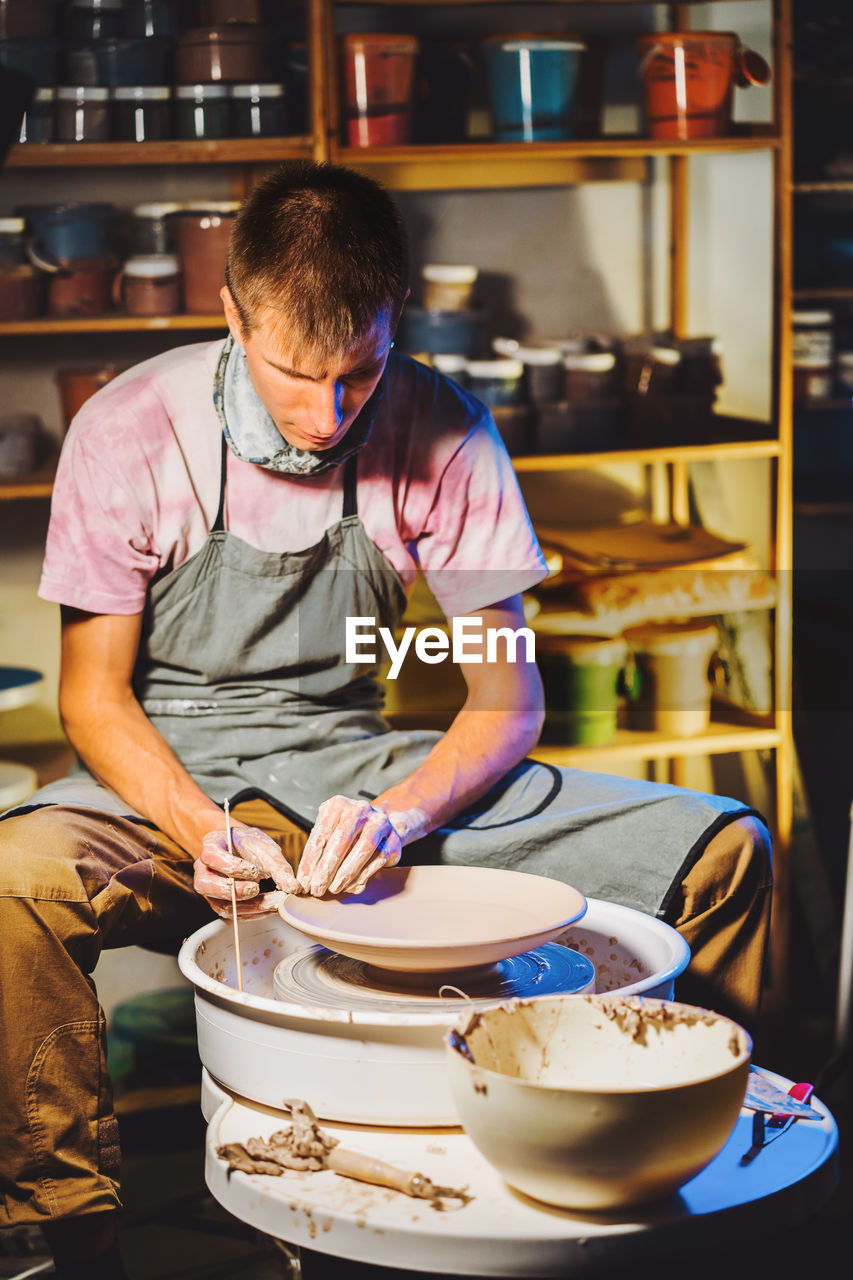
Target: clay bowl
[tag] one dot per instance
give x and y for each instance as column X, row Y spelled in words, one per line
column 597, row 1102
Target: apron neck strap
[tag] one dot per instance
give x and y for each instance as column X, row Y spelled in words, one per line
column 350, row 498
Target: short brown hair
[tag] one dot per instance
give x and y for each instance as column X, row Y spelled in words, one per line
column 323, row 245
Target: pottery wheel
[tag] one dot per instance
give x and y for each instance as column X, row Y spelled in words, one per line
column 319, row 978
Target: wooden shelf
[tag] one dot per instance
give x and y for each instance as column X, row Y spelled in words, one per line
column 511, row 164
column 659, row 453
column 38, row 485
column 117, row 323
column 801, row 295
column 633, row 745
column 838, row 187
column 175, row 151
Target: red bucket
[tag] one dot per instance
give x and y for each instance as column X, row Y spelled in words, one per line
column 378, row 81
column 689, row 77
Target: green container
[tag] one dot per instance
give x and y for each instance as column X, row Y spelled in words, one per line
column 583, row 678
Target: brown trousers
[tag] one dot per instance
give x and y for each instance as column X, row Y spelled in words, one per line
column 73, row 882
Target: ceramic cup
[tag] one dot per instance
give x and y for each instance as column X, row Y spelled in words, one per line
column 378, row 84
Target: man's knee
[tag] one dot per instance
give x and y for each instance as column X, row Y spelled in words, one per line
column 735, row 865
column 40, row 853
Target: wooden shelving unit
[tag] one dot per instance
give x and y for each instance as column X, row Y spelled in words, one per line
column 115, row 322
column 482, row 165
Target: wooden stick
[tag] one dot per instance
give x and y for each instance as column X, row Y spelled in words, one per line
column 233, row 899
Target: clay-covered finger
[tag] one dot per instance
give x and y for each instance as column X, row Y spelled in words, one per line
column 366, row 857
column 339, row 823
column 214, row 853
column 259, row 849
column 327, row 818
column 210, row 884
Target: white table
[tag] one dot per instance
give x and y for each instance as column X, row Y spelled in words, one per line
column 502, row 1233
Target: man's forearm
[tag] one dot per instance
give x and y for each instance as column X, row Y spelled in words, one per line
column 476, row 751
column 121, row 747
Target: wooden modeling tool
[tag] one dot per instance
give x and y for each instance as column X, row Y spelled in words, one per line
column 233, row 899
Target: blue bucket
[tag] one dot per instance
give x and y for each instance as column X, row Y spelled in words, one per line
column 533, row 83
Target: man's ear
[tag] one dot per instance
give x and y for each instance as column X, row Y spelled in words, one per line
column 232, row 315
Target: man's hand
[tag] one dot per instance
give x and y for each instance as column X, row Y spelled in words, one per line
column 256, row 857
column 350, row 840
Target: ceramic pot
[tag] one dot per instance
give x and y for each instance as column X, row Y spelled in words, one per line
column 66, row 232
column 82, row 288
column 235, row 52
column 675, row 672
column 77, row 385
column 689, row 77
column 583, row 677
column 202, row 240
column 533, row 83
column 26, row 18
column 149, row 286
column 377, row 88
column 21, row 292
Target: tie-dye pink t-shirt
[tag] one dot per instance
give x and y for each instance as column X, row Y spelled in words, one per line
column 137, row 490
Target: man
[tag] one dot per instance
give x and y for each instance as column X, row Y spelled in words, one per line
column 220, row 512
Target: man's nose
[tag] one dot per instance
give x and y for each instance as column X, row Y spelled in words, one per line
column 326, row 408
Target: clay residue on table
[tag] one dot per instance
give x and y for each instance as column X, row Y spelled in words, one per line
column 304, row 1146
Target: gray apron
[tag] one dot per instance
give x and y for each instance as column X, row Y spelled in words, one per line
column 240, row 668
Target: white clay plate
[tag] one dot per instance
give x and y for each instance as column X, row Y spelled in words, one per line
column 439, row 918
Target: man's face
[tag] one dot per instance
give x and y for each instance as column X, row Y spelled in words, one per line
column 313, row 403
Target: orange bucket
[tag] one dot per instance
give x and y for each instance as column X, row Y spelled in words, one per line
column 689, row 77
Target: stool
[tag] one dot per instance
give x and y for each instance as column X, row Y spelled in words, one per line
column 19, row 686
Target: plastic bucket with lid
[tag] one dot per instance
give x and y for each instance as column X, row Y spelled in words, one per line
column 689, row 77
column 533, row 85
column 674, row 664
column 583, row 677
column 378, row 84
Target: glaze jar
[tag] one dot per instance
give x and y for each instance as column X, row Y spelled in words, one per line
column 812, row 379
column 142, row 113
column 448, row 287
column 650, row 370
column 21, row 292
column 37, row 122
column 82, row 113
column 813, row 335
column 27, row 18
column 258, row 111
column 202, row 239
column 64, row 232
column 81, row 288
column 152, row 17
column 88, row 20
column 496, row 382
column 203, row 111
column 235, row 52
column 583, row 677
column 378, row 86
column 11, row 242
column 149, row 286
column 674, row 664
column 589, row 375
column 151, row 230
column 133, row 61
column 543, row 373
column 77, row 385
column 533, row 86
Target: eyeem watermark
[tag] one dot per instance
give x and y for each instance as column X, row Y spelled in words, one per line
column 432, row 644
